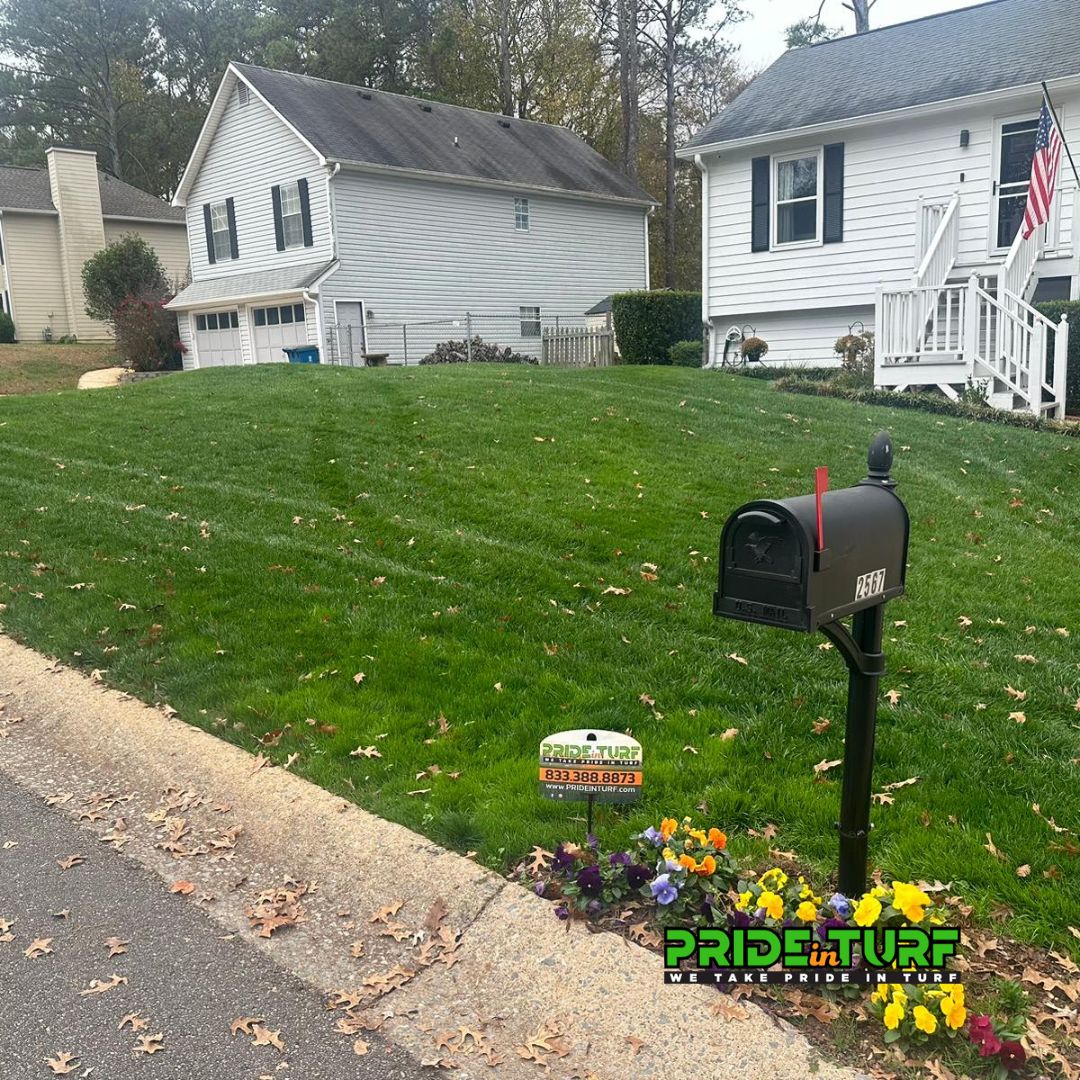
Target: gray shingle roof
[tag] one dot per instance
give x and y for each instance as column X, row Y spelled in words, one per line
column 28, row 189
column 351, row 124
column 288, row 279
column 992, row 46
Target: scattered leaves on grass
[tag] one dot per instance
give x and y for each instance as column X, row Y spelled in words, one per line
column 821, row 725
column 1016, row 695
column 614, row 590
column 1019, row 717
column 359, row 677
column 62, row 1063
column 824, row 765
column 989, row 845
column 1023, row 871
column 893, row 697
column 365, row 752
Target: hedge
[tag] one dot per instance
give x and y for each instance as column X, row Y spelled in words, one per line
column 686, row 353
column 647, row 324
column 1054, row 309
column 927, row 403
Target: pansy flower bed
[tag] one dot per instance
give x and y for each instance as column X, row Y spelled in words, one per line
column 679, row 874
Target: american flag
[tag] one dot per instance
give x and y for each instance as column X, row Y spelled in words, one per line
column 1044, row 170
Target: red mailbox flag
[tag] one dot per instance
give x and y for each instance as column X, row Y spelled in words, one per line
column 821, row 485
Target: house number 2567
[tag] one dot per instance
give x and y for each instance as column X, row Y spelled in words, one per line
column 870, row 584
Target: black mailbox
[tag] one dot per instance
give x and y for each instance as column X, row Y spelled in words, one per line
column 772, row 571
column 805, row 564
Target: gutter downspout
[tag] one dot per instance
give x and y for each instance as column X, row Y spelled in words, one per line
column 6, row 262
column 710, row 356
column 331, row 171
column 648, row 278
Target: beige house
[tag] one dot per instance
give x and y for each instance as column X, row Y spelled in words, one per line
column 52, row 220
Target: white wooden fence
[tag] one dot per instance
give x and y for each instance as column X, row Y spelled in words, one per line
column 578, row 346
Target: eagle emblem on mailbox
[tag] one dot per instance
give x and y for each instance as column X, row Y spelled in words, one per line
column 758, row 546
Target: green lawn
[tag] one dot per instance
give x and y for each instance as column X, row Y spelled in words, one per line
column 41, row 368
column 242, row 543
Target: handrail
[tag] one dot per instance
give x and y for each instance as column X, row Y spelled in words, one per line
column 946, row 226
column 1019, row 264
column 1024, row 306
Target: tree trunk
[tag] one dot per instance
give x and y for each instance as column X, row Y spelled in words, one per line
column 670, row 44
column 506, row 83
column 629, row 73
column 862, row 15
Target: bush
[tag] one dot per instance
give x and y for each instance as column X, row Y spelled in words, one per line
column 483, row 352
column 686, row 353
column 1054, row 309
column 126, row 267
column 647, row 324
column 147, row 338
column 7, row 329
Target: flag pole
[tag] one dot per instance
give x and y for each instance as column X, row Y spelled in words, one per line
column 1061, row 134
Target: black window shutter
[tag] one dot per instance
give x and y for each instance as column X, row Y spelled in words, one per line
column 305, row 211
column 759, row 212
column 834, row 193
column 279, row 231
column 209, row 233
column 234, row 248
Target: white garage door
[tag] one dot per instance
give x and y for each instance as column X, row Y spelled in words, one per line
column 277, row 328
column 217, row 338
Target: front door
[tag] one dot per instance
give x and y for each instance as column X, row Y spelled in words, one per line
column 350, row 331
column 1016, row 148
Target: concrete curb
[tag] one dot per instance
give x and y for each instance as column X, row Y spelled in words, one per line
column 517, row 966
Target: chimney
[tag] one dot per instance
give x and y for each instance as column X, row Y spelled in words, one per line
column 73, row 182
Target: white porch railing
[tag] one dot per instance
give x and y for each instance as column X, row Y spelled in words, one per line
column 971, row 334
column 937, row 242
column 1019, row 266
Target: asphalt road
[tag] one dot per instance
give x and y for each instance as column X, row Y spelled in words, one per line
column 189, row 978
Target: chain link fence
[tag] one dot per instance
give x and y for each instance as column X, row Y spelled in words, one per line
column 379, row 342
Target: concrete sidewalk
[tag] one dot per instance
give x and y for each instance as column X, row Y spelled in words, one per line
column 506, row 976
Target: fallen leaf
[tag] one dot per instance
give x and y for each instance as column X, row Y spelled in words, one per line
column 989, row 845
column 70, row 861
column 739, row 659
column 821, row 725
column 182, row 887
column 365, row 751
column 359, row 677
column 635, row 1045
column 265, row 1037
column 1023, row 871
column 100, row 986
column 729, row 734
column 116, row 946
column 136, row 1021
column 384, row 913
column 690, row 749
column 360, row 1048
column 1016, row 695
column 149, row 1044
column 539, row 859
column 62, row 1063
column 824, row 765
column 38, row 947
column 893, row 697
column 1019, row 717
column 244, row 1024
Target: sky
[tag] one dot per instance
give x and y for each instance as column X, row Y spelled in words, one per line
column 761, row 35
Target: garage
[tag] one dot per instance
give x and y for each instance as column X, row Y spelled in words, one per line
column 217, row 338
column 277, row 328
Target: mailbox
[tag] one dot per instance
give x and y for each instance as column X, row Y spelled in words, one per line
column 774, row 570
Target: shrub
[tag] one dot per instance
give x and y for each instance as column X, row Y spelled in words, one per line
column 686, row 353
column 754, row 348
column 126, row 267
column 483, row 352
column 146, row 335
column 647, row 324
column 7, row 329
column 1054, row 309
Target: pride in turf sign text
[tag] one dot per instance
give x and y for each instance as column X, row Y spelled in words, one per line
column 734, row 955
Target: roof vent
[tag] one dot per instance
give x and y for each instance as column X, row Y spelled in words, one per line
column 242, row 93
column 425, row 106
column 504, row 123
column 365, row 94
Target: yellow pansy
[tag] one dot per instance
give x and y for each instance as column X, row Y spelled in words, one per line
column 699, row 836
column 773, row 904
column 894, row 1013
column 805, row 892
column 910, row 900
column 924, row 1019
column 744, row 900
column 868, row 910
column 881, row 993
column 878, row 892
column 898, row 992
column 668, row 854
column 806, row 911
column 956, row 991
column 954, row 1012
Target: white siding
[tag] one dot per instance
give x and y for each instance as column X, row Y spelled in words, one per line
column 888, row 165
column 251, row 151
column 414, row 249
column 795, row 338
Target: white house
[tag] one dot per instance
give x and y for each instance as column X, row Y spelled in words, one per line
column 878, row 182
column 52, row 220
column 366, row 222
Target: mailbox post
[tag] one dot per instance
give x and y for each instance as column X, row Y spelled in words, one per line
column 808, row 563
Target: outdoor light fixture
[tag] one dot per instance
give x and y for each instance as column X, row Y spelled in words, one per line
column 807, row 563
column 965, row 137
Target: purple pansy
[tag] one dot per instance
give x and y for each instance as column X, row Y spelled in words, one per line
column 637, row 875
column 663, row 891
column 589, row 881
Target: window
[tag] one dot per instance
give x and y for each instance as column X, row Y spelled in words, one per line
column 219, row 229
column 1016, row 149
column 217, row 320
column 530, row 321
column 797, row 206
column 279, row 316
column 521, row 214
column 292, row 215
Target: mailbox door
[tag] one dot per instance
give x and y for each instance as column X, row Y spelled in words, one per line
column 765, row 563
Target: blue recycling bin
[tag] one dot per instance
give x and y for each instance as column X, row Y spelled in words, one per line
column 303, row 354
